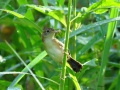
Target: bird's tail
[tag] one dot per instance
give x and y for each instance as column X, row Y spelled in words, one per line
column 75, row 65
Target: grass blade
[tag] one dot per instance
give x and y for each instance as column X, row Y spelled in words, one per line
column 107, row 45
column 25, row 66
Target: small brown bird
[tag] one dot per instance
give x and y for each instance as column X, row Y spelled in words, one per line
column 55, row 49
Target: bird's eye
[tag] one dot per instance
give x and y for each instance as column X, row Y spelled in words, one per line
column 47, row 31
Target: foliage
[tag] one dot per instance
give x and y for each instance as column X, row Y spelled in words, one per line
column 93, row 41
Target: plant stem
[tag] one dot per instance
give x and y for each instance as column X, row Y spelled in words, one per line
column 66, row 47
column 74, row 28
column 108, row 41
column 73, row 44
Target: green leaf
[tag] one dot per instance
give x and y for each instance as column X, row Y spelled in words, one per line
column 91, row 63
column 75, row 81
column 56, row 14
column 4, row 85
column 91, row 42
column 88, row 27
column 4, row 4
column 13, row 13
column 22, row 8
column 29, row 24
column 103, row 5
column 61, row 2
column 4, row 47
column 30, row 65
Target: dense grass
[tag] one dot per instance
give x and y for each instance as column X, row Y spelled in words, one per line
column 91, row 32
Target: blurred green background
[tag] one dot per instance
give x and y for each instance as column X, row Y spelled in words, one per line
column 21, row 24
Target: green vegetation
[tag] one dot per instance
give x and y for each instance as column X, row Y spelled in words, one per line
column 91, row 30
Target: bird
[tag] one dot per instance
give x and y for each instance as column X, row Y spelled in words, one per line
column 55, row 49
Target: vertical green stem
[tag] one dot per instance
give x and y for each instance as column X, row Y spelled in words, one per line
column 74, row 28
column 66, row 47
column 73, row 45
column 73, row 40
column 108, row 41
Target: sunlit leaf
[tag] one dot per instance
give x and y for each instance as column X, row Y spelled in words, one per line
column 56, row 14
column 103, row 5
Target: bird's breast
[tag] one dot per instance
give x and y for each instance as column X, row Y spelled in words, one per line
column 54, row 49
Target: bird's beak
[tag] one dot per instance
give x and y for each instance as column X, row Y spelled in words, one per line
column 57, row 31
